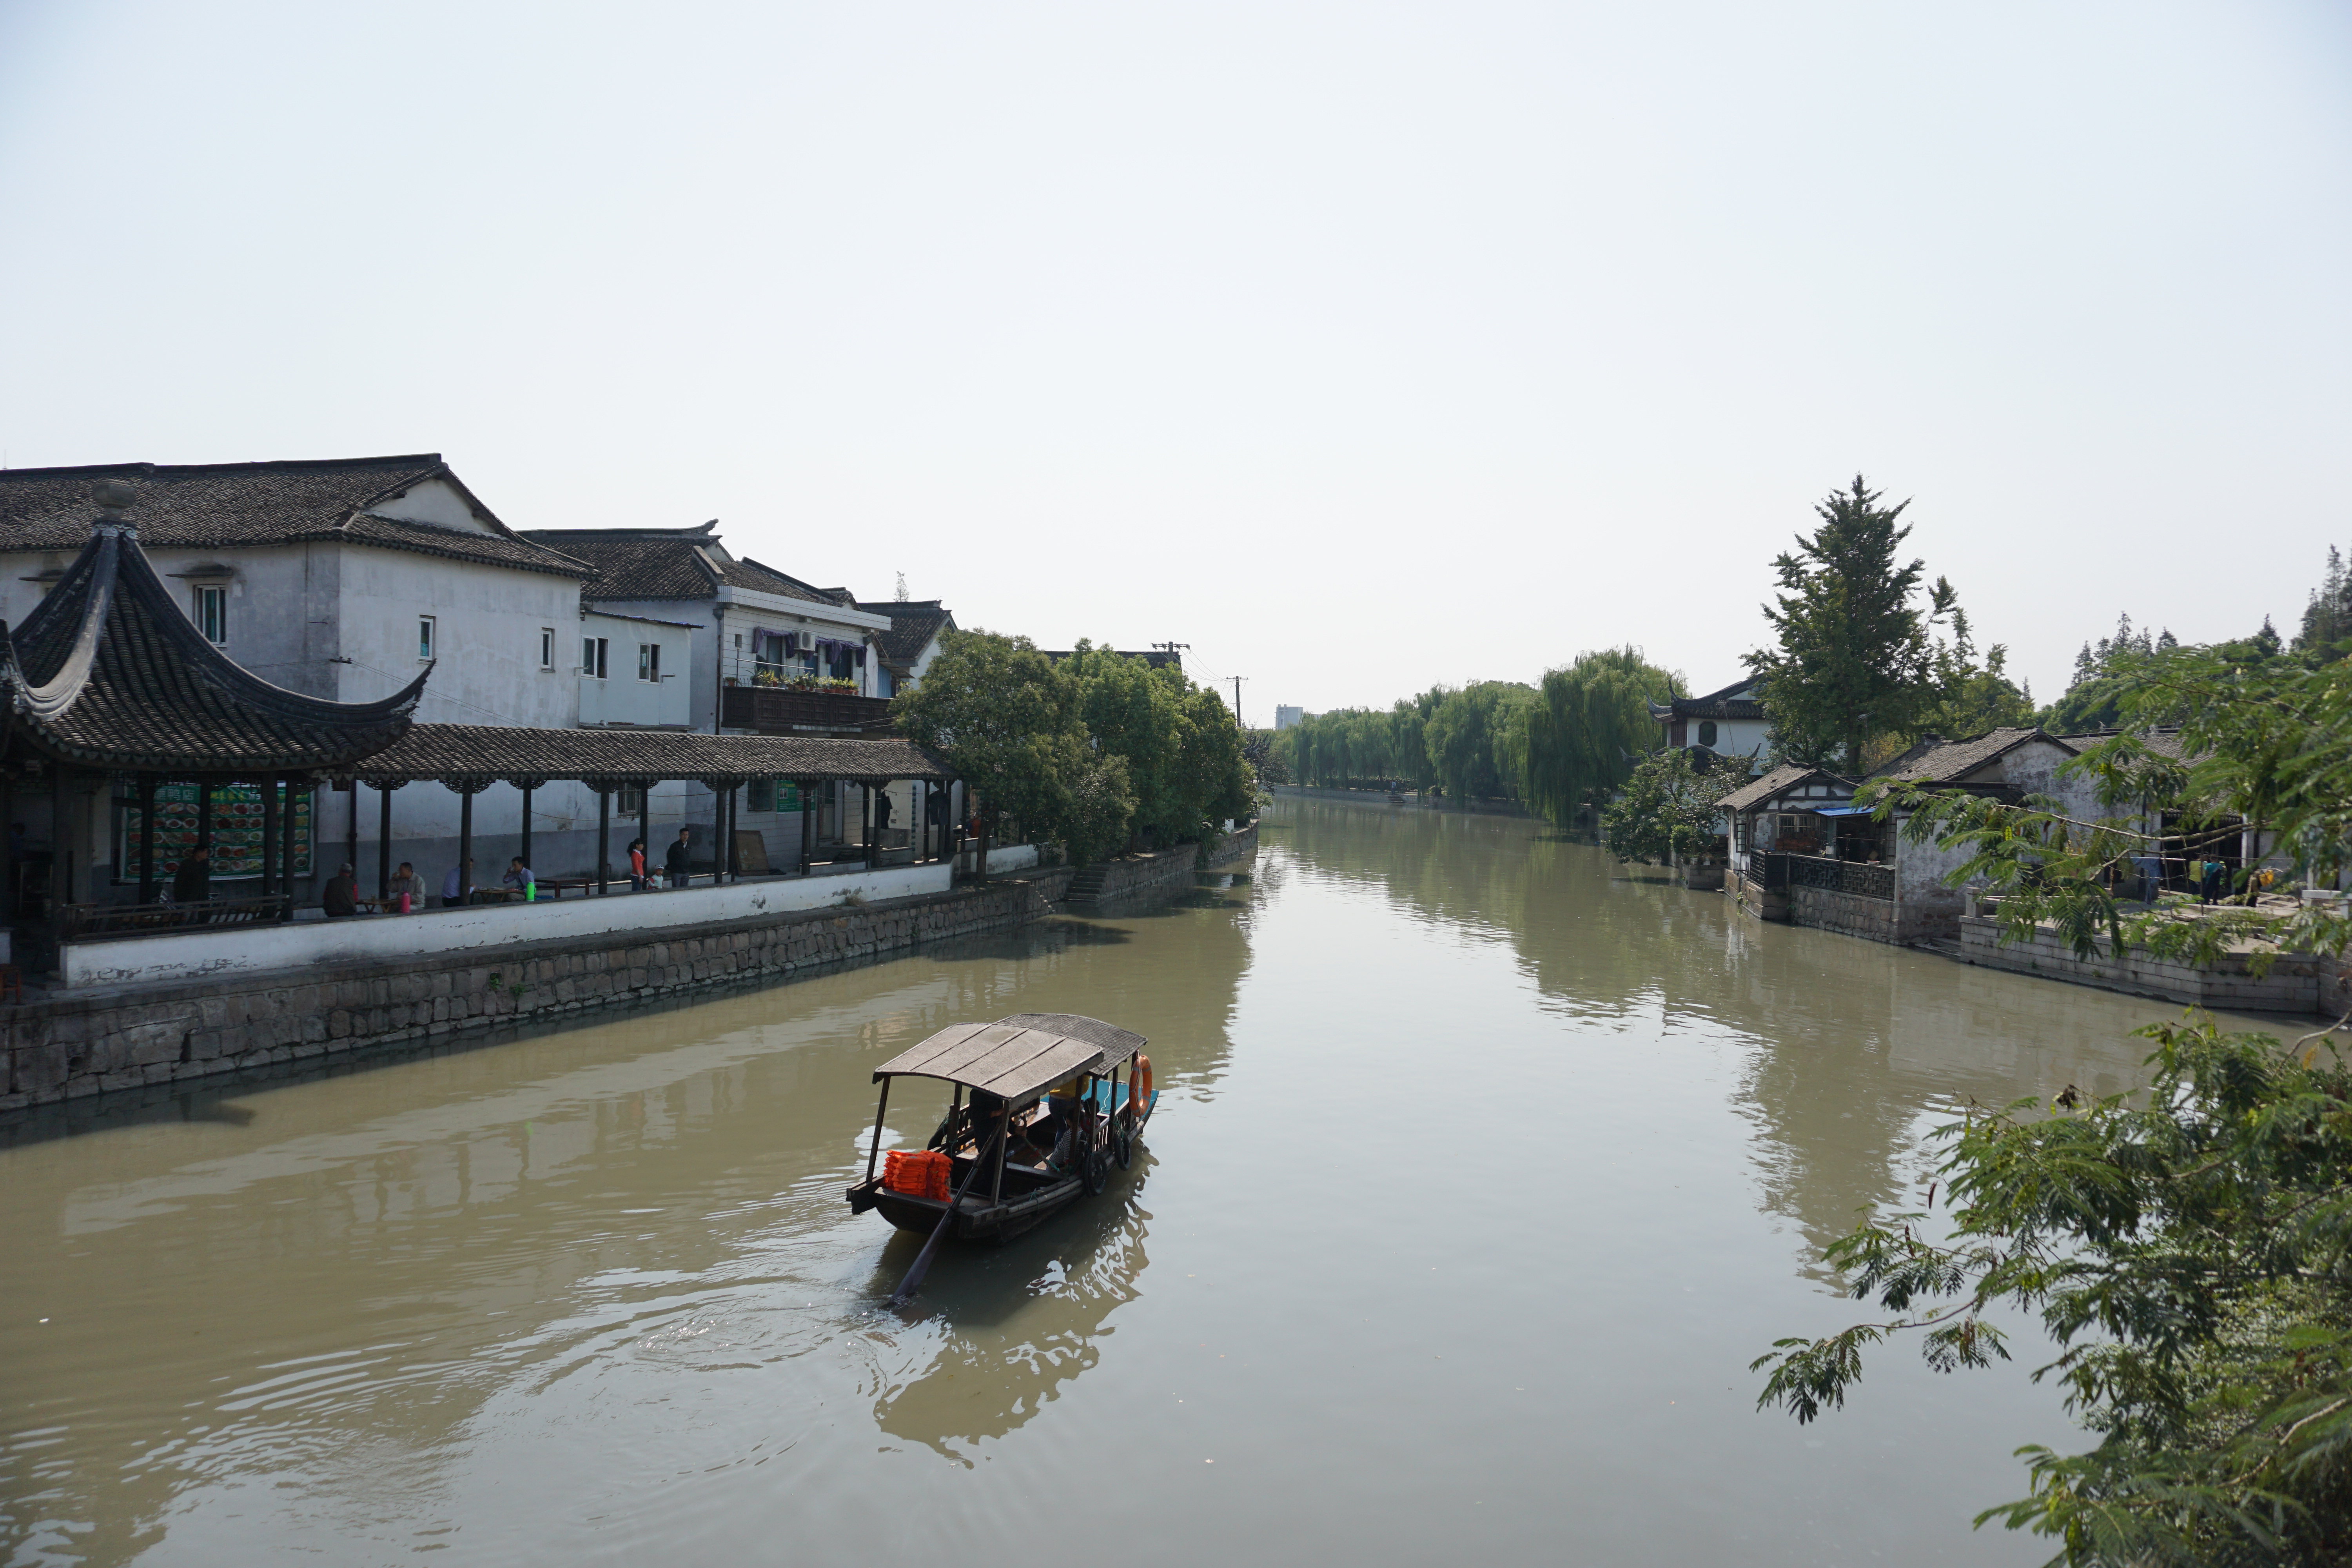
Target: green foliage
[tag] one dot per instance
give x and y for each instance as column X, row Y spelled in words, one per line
column 2325, row 634
column 1853, row 658
column 2094, row 699
column 2191, row 1258
column 1181, row 749
column 2189, row 1249
column 1470, row 741
column 1361, row 748
column 1585, row 726
column 1968, row 698
column 1008, row 722
column 1665, row 810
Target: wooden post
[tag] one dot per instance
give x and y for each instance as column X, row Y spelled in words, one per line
column 268, row 834
column 8, row 845
column 204, row 819
column 1004, row 1153
column 645, row 828
column 465, row 846
column 526, row 825
column 604, row 841
column 146, row 838
column 352, row 839
column 865, row 825
column 734, row 853
column 874, row 1149
column 286, row 850
column 802, row 786
column 383, row 837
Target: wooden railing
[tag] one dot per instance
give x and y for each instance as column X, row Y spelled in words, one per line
column 772, row 711
column 79, row 921
column 1861, row 878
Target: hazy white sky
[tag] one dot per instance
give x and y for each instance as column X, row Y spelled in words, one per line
column 1358, row 345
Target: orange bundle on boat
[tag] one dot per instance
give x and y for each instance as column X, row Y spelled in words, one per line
column 918, row 1173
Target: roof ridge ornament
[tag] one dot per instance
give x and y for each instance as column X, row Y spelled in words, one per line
column 115, row 496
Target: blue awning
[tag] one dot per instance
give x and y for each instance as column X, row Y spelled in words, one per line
column 1842, row 810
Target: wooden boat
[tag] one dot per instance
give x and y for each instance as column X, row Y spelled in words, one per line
column 1004, row 1124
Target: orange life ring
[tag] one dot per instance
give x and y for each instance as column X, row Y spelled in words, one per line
column 1138, row 1086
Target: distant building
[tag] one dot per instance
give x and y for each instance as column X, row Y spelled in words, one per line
column 1728, row 725
column 1289, row 718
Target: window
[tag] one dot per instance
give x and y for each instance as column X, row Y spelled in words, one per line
column 547, row 647
column 1706, row 734
column 425, row 637
column 762, row 794
column 591, row 656
column 631, row 800
column 768, row 658
column 649, row 661
column 212, row 614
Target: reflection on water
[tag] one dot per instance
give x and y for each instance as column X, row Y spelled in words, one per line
column 1483, row 1167
column 1018, row 1325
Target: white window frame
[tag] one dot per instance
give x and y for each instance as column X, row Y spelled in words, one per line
column 649, row 662
column 209, row 597
column 594, row 655
column 428, row 638
column 547, row 647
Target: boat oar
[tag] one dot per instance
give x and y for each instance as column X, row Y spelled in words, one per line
column 922, row 1264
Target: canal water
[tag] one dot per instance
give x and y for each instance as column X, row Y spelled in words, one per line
column 1483, row 1168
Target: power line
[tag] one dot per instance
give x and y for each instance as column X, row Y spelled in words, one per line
column 1237, row 701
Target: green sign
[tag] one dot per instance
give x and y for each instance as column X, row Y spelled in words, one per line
column 237, row 831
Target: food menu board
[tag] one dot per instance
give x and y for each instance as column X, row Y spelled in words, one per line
column 237, row 831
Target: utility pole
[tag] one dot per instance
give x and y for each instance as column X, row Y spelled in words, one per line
column 1170, row 647
column 1237, row 701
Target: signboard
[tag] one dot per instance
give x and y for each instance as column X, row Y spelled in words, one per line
column 237, row 831
column 771, row 795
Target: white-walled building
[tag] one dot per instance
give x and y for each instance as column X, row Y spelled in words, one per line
column 343, row 579
column 1729, row 724
column 636, row 671
column 757, row 629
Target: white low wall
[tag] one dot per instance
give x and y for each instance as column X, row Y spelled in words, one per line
column 1002, row 858
column 124, row 960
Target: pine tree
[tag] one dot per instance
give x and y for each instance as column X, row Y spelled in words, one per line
column 1853, row 659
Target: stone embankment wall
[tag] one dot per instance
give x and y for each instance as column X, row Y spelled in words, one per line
column 1848, row 915
column 1232, row 848
column 1132, row 874
column 2295, row 983
column 85, row 1042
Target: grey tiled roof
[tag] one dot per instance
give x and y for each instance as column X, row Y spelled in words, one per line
column 913, row 624
column 1786, row 777
column 1714, row 705
column 638, row 562
column 1944, row 762
column 668, row 563
column 638, row 756
column 2163, row 742
column 106, row 672
column 231, row 504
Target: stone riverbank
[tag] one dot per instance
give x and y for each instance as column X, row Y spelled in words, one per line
column 91, row 1042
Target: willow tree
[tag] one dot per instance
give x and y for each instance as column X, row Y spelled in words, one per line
column 1587, row 726
column 1462, row 736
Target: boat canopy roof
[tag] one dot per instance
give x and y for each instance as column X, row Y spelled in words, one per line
column 1018, row 1058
